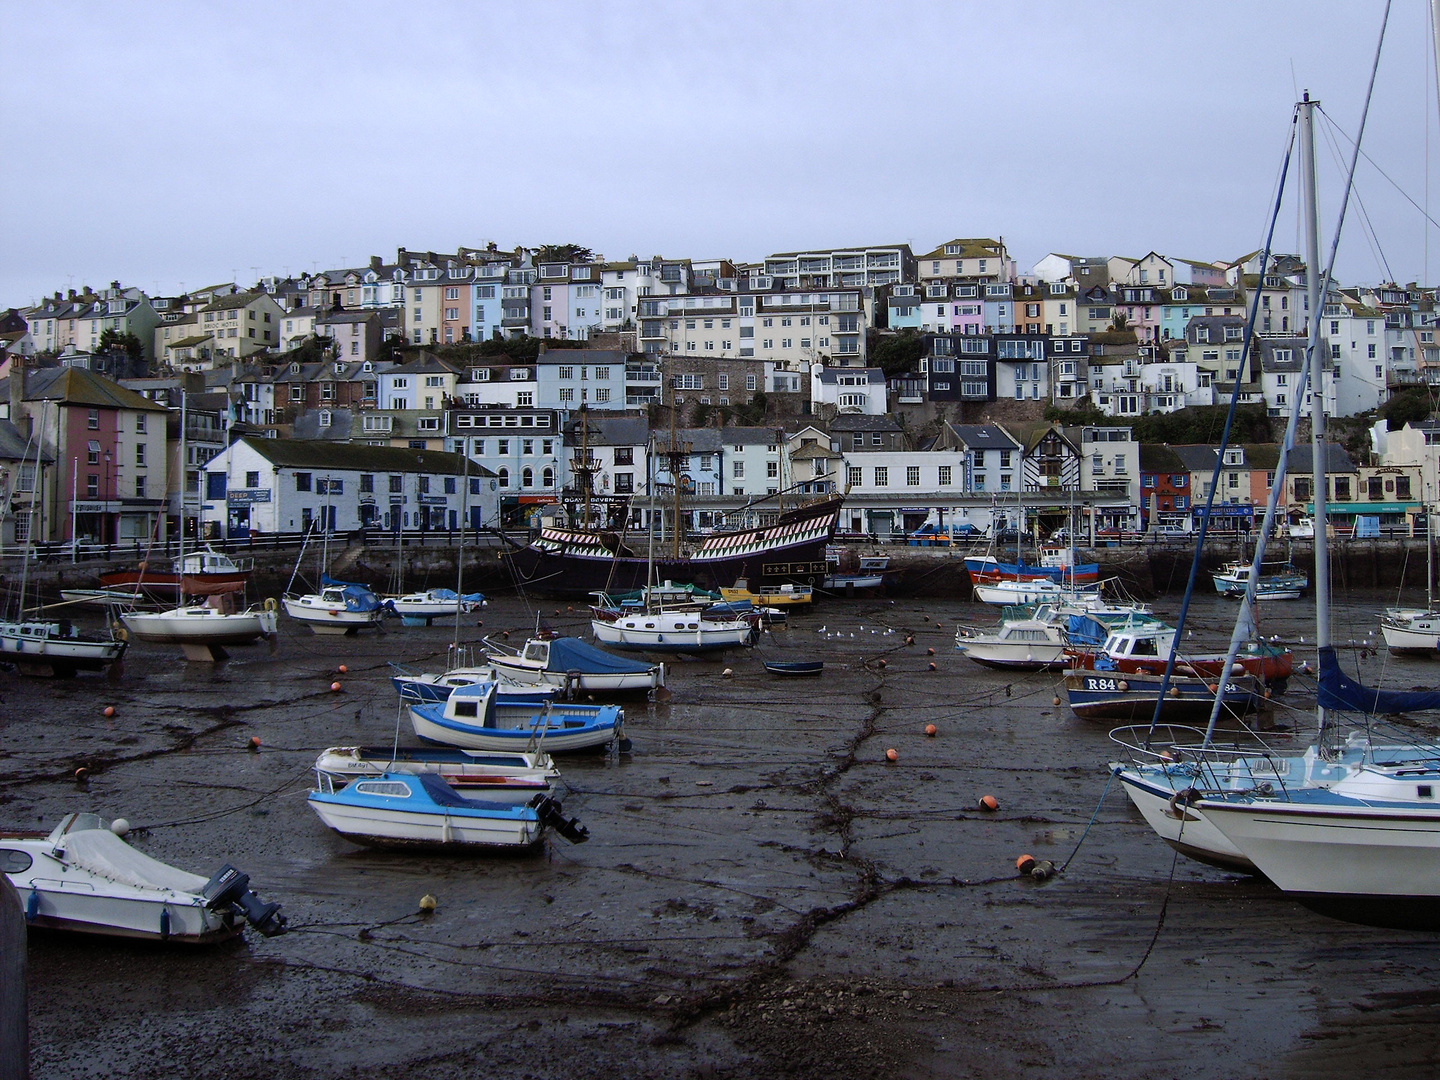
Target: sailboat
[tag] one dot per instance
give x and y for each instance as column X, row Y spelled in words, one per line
column 42, row 647
column 1416, row 630
column 201, row 630
column 340, row 607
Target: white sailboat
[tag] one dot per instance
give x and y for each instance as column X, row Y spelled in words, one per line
column 201, row 630
column 1416, row 631
column 339, row 607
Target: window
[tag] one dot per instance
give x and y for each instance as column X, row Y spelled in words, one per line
column 92, row 453
column 140, row 487
column 945, row 472
column 853, row 476
column 738, row 470
column 527, row 477
column 397, row 484
column 302, row 481
column 92, row 485
column 93, row 420
column 749, row 382
column 367, row 482
column 140, row 453
column 502, row 446
column 882, row 476
column 772, row 470
column 724, row 382
column 1342, row 489
column 140, row 417
column 624, row 483
column 567, row 394
column 912, row 476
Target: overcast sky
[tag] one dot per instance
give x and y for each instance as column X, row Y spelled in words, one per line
column 187, row 144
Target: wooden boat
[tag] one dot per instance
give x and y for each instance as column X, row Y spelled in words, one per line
column 573, row 563
column 83, row 877
column 421, row 809
column 198, row 573
column 776, row 595
column 1114, row 695
column 673, row 631
column 472, row 718
column 794, row 668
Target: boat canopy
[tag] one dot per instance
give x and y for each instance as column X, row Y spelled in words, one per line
column 1340, row 692
column 102, row 852
column 572, row 654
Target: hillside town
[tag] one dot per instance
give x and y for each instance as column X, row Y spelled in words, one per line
column 946, row 394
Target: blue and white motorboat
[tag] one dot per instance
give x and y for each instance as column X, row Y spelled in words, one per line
column 430, row 686
column 498, row 776
column 421, row 809
column 419, row 608
column 473, row 718
column 1277, row 581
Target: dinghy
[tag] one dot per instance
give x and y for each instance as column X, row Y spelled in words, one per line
column 497, row 776
column 569, row 663
column 83, row 877
column 794, row 668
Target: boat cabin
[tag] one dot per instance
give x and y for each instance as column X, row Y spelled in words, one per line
column 1146, row 642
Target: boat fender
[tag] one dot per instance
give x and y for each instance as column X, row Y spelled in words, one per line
column 1237, row 669
column 32, row 904
column 271, row 605
column 164, row 924
column 122, row 634
column 1043, row 870
column 1124, row 686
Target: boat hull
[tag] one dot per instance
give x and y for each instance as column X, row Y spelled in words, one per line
column 572, row 565
column 1419, row 636
column 200, row 626
column 42, row 646
column 329, row 619
column 1116, row 696
column 401, row 828
column 665, row 636
column 591, row 682
column 1184, row 828
column 555, row 737
column 1022, row 656
column 1372, row 864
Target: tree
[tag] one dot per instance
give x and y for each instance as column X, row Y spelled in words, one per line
column 547, row 253
column 1120, row 321
column 896, row 354
column 128, row 343
column 1412, row 404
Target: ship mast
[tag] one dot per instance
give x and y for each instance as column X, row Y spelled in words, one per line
column 584, row 467
column 676, row 456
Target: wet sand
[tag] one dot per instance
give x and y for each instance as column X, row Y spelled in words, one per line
column 763, row 893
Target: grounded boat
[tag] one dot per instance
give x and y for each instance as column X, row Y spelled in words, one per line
column 437, row 687
column 775, row 595
column 673, row 631
column 199, row 573
column 1411, row 630
column 420, row 608
column 1277, row 581
column 794, row 668
column 420, row 809
column 854, row 575
column 498, row 777
column 572, row 563
column 1036, row 591
column 201, row 630
column 83, row 877
column 1146, row 648
column 1098, row 695
column 339, row 608
column 1022, row 644
column 472, row 718
column 573, row 665
column 40, row 647
column 987, row 570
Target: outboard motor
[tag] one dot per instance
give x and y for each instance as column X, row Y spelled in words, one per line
column 229, row 888
column 551, row 814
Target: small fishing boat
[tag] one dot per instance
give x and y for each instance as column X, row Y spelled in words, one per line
column 1279, row 580
column 987, row 570
column 83, row 877
column 574, row 665
column 121, row 596
column 1035, row 591
column 339, row 608
column 1145, row 648
column 794, row 668
column 40, row 647
column 1411, row 630
column 420, row 608
column 496, row 776
column 421, row 809
column 206, row 572
column 854, row 575
column 673, row 631
column 473, row 718
column 1100, row 695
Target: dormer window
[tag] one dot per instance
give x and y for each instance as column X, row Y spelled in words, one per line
column 1234, row 457
column 339, row 368
column 367, row 366
column 294, row 369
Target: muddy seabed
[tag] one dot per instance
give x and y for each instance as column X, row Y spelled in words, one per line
column 763, row 894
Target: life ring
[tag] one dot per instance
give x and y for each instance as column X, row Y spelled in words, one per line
column 271, row 605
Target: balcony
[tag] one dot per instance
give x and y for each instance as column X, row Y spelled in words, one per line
column 640, row 401
column 632, row 376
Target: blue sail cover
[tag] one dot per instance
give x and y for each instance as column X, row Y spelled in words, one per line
column 1086, row 630
column 1343, row 694
column 572, row 654
column 450, row 594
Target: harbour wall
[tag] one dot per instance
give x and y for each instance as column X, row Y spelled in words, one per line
column 1142, row 569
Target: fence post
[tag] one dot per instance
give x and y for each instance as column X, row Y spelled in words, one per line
column 14, row 988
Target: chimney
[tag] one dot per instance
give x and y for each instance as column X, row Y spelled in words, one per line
column 376, row 263
column 72, row 295
column 17, row 392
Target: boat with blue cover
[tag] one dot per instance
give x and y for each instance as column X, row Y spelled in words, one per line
column 421, row 809
column 474, row 719
column 340, row 607
column 572, row 664
column 431, row 686
column 512, row 777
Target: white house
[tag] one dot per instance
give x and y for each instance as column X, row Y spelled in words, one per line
column 288, row 485
column 850, row 390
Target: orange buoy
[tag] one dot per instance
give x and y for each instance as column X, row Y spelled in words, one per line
column 1055, row 700
column 109, row 711
column 910, row 639
column 882, row 663
column 1025, row 863
column 929, row 652
column 939, row 625
column 931, row 729
column 342, row 669
column 571, row 608
column 1174, row 691
column 254, row 743
column 334, row 687
column 933, row 667
column 988, row 802
column 892, row 755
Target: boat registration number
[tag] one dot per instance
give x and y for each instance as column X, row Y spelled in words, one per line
column 1092, row 683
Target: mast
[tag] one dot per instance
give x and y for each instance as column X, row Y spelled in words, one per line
column 460, row 551
column 1315, row 288
column 184, row 482
column 676, row 455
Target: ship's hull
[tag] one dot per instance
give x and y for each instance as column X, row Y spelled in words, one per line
column 572, row 565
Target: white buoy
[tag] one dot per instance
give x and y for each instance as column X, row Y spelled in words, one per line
column 120, row 826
